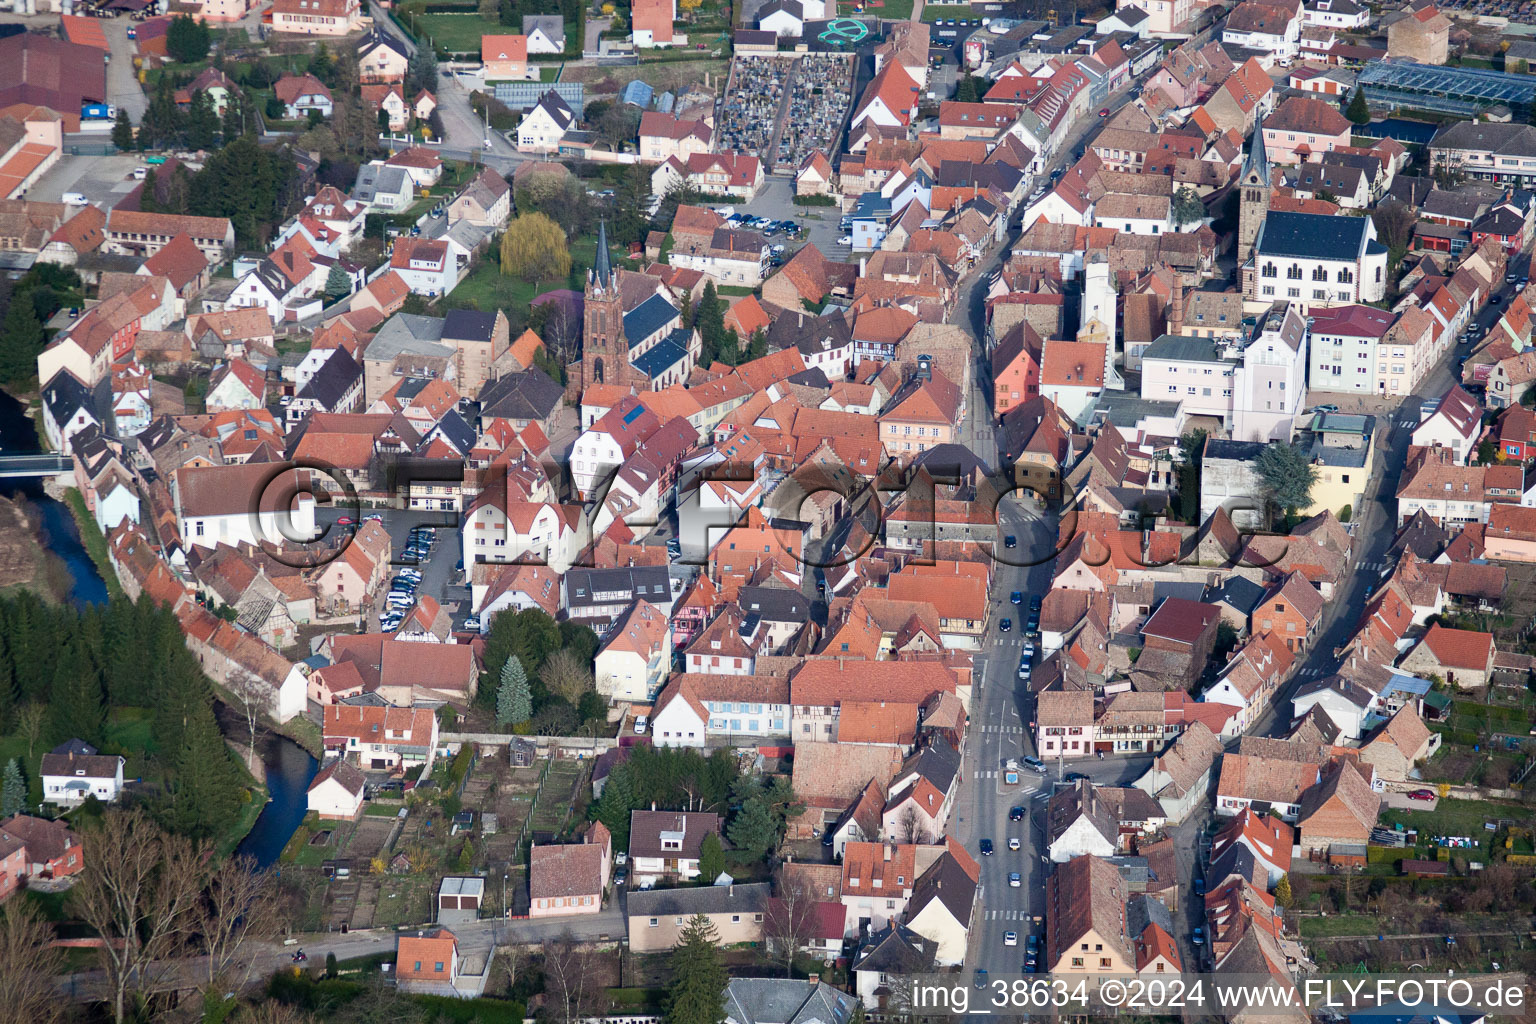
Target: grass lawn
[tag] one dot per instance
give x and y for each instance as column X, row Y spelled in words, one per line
column 933, row 12
column 1454, row 818
column 457, row 33
column 486, row 288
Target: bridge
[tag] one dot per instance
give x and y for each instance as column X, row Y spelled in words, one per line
column 12, row 466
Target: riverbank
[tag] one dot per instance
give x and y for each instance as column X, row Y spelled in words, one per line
column 91, row 538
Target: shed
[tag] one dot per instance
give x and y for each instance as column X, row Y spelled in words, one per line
column 1425, row 868
column 459, row 898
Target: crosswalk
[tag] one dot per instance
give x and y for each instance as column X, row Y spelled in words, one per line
column 1380, row 566
column 1008, row 915
column 1005, row 730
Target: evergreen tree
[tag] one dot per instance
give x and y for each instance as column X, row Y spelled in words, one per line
column 752, row 830
column 13, row 789
column 759, row 346
column 616, row 803
column 233, row 125
column 322, row 65
column 187, row 39
column 1358, row 111
column 205, row 796
column 421, row 72
column 698, row 976
column 514, row 705
column 181, row 694
column 122, row 131
column 709, row 319
column 76, row 710
column 1283, row 892
column 711, row 858
column 202, row 121
column 337, row 283
column 21, row 339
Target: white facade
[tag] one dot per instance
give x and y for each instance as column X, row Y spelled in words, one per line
column 71, row 790
column 239, row 528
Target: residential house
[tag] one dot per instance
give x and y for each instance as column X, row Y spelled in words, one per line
column 570, row 878
column 336, row 791
column 429, row 963
column 657, row 918
column 74, row 771
column 666, row 844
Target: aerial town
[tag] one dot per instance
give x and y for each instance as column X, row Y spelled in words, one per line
column 710, row 512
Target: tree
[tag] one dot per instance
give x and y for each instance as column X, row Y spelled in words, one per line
column 709, row 318
column 250, row 694
column 711, row 858
column 140, row 892
column 13, row 789
column 1286, row 477
column 30, row 721
column 31, row 963
column 569, row 980
column 698, row 976
column 619, row 124
column 337, row 283
column 1283, row 892
column 122, row 131
column 206, row 791
column 514, row 706
column 1487, row 452
column 1187, row 207
column 187, row 39
column 21, row 339
column 421, row 72
column 910, row 827
column 751, row 830
column 789, row 921
column 534, row 248
column 203, row 121
column 238, row 910
column 965, row 90
column 1192, row 454
column 568, row 675
column 76, row 710
column 1358, row 111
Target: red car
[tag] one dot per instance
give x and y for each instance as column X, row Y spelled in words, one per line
column 345, row 521
column 1104, row 112
column 1421, row 794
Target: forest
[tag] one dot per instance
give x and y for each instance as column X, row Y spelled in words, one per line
column 120, row 677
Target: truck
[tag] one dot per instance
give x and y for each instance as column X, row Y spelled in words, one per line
column 97, row 112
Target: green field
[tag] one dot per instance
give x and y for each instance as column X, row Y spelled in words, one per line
column 458, row 33
column 934, row 12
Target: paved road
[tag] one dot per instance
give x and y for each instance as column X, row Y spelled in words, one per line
column 123, row 90
column 479, row 937
column 1375, row 528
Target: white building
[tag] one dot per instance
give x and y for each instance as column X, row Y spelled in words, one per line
column 336, row 792
column 74, row 771
column 542, row 128
column 1255, row 384
column 250, row 503
column 1345, row 340
column 1314, row 260
column 1454, row 422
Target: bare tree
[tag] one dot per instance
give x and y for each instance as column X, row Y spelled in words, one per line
column 789, row 920
column 239, row 908
column 511, row 962
column 251, row 695
column 26, row 982
column 910, row 827
column 29, row 722
column 270, row 1011
column 568, row 978
column 140, row 892
column 567, row 675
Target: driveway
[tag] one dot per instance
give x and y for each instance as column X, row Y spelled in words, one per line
column 123, row 89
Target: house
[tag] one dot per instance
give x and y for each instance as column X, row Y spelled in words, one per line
column 1180, row 777
column 545, row 33
column 1420, row 32
column 383, row 189
column 570, row 878
column 505, row 58
column 1315, row 260
column 1340, row 810
column 423, row 165
column 428, row 963
column 213, row 504
column 302, row 94
column 336, row 791
column 1266, row 839
column 665, row 844
column 1291, row 611
column 52, row 850
column 427, row 266
column 1461, row 657
column 317, row 17
column 381, row 58
column 1086, row 927
column 1064, row 723
column 922, row 793
column 1078, row 823
column 381, row 738
column 1395, row 747
column 635, row 654
column 1302, row 128
column 786, row 1001
column 1455, row 422
column 542, row 128
column 485, row 202
column 658, row 917
column 74, row 771
column 888, row 957
column 651, row 24
column 1279, row 783
column 878, row 880
column 236, row 385
column 943, row 904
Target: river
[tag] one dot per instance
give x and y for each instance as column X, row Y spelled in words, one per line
column 289, row 767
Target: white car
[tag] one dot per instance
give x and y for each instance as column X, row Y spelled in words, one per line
column 1013, row 843
column 640, row 724
column 845, row 240
column 1010, row 938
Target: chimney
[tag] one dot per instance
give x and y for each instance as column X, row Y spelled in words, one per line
column 653, row 805
column 1176, row 309
column 813, row 980
column 889, row 849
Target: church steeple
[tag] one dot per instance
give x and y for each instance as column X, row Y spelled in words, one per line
column 1257, row 163
column 602, row 270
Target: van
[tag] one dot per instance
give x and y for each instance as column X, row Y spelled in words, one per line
column 75, row 199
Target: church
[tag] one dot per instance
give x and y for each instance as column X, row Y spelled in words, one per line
column 633, row 334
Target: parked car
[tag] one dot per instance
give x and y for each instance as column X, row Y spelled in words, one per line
column 1010, row 541
column 1034, row 764
column 640, row 723
column 1198, row 936
column 845, row 240
column 1422, row 794
column 1199, row 887
column 1016, row 597
column 1005, row 624
column 472, row 623
column 981, row 978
